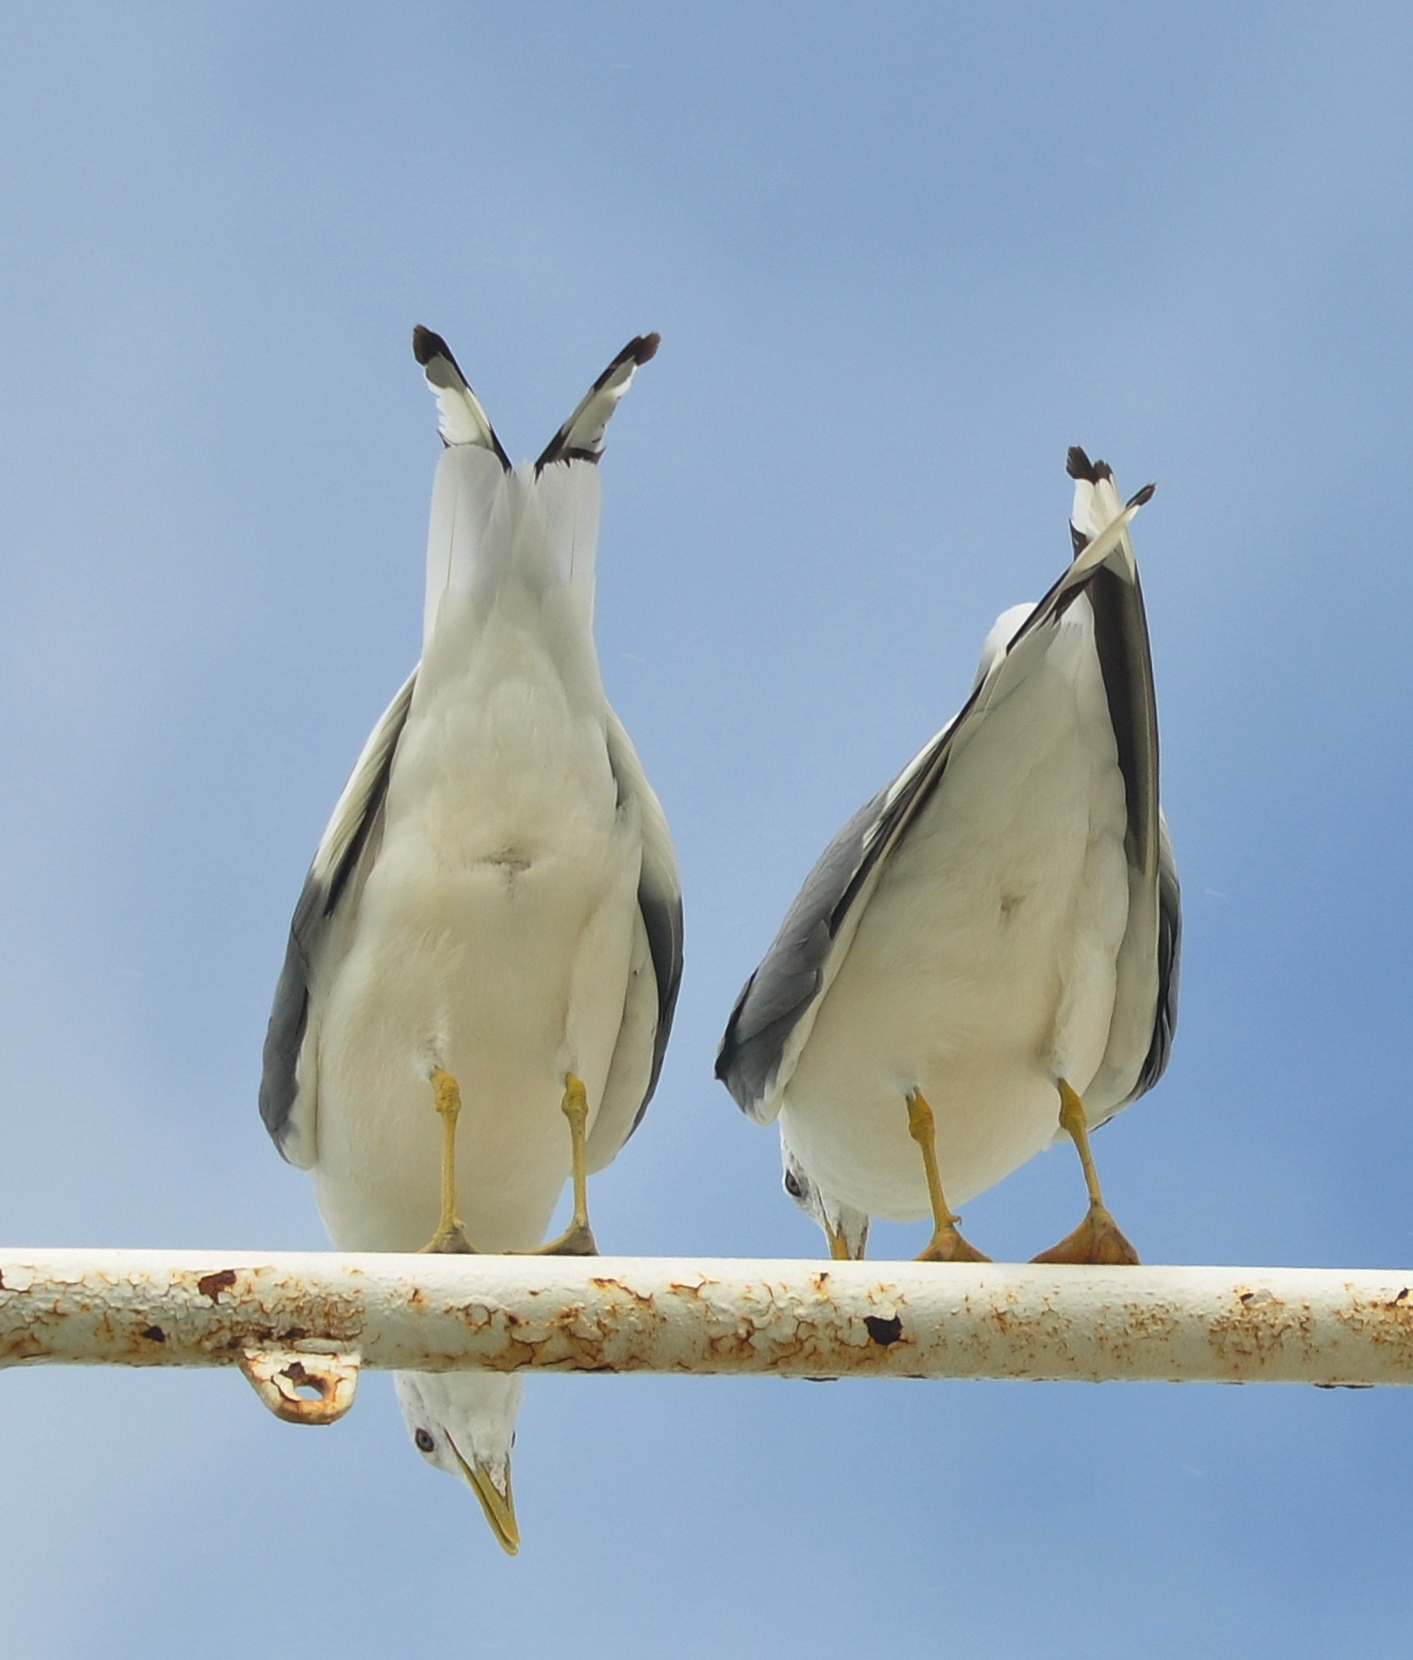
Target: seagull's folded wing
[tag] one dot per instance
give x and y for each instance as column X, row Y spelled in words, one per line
column 331, row 888
column 656, row 970
column 581, row 436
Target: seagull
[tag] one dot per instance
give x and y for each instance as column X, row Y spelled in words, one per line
column 483, row 965
column 985, row 958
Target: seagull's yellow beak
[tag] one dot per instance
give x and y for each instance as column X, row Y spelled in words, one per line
column 499, row 1507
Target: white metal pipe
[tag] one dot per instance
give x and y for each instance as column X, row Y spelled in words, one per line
column 301, row 1325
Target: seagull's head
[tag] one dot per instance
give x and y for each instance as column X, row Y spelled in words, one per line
column 464, row 1423
column 846, row 1229
column 798, row 1184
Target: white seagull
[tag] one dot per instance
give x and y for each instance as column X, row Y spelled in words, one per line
column 492, row 924
column 986, row 955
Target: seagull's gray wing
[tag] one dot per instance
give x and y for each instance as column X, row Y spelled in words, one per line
column 656, row 971
column 775, row 1012
column 581, row 436
column 1146, row 979
column 772, row 1015
column 1169, row 959
column 459, row 414
column 334, row 879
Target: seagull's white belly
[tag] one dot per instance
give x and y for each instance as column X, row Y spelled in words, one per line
column 983, row 968
column 492, row 939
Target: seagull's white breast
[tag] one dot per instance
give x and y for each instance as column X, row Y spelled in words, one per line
column 983, row 968
column 492, row 938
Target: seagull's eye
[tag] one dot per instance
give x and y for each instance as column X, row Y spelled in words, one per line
column 792, row 1185
column 424, row 1440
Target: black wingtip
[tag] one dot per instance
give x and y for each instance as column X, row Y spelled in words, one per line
column 426, row 346
column 639, row 350
column 1079, row 466
column 1143, row 496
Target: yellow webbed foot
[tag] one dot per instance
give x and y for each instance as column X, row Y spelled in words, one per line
column 1096, row 1240
column 577, row 1240
column 947, row 1245
column 450, row 1241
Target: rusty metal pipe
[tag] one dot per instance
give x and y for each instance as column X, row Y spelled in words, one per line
column 300, row 1325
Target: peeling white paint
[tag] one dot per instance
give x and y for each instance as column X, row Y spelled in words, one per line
column 620, row 1314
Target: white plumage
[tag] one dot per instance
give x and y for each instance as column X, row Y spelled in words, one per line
column 1003, row 917
column 495, row 899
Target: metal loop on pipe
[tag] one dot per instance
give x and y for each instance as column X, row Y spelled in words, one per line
column 302, row 1388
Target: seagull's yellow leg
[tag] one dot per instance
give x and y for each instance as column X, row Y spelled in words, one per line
column 577, row 1240
column 1097, row 1238
column 946, row 1244
column 450, row 1238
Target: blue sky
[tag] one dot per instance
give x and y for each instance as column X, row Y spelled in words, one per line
column 901, row 257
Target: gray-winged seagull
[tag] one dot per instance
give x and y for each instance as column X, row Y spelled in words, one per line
column 986, row 955
column 492, row 924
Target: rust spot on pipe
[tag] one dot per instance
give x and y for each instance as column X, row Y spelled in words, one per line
column 691, row 1290
column 603, row 1283
column 25, row 1346
column 673, row 1317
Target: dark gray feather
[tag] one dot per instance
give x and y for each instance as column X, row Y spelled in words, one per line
column 1125, row 660
column 284, row 1037
column 1169, row 962
column 1121, row 645
column 662, row 918
column 650, row 995
column 791, row 973
column 659, row 897
column 335, row 863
